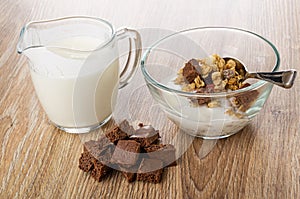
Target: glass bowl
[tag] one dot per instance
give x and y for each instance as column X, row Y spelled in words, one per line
column 162, row 61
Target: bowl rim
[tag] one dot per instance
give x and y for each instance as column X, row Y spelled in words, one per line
column 159, row 85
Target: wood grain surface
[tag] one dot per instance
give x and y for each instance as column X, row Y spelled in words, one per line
column 262, row 161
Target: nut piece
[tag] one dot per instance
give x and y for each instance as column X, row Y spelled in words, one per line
column 213, row 104
column 220, row 62
column 230, row 64
column 216, row 78
column 205, row 70
column 189, row 87
column 221, row 87
column 199, row 82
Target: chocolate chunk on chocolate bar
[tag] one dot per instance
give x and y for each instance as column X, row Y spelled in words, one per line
column 126, row 153
column 146, row 135
column 163, row 152
column 150, row 170
column 190, row 70
column 100, row 170
column 86, row 162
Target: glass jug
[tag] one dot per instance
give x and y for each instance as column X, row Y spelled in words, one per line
column 74, row 66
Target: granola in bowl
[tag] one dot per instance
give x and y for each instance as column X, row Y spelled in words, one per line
column 212, row 75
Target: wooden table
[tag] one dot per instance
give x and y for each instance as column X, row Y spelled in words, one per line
column 262, row 161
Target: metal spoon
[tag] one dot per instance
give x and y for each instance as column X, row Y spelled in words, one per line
column 284, row 79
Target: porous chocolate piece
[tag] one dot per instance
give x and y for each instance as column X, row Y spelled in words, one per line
column 190, row 71
column 129, row 173
column 200, row 100
column 150, row 170
column 101, row 149
column 100, row 170
column 86, row 162
column 130, row 177
column 203, row 100
column 145, row 135
column 126, row 153
column 210, row 88
column 163, row 152
column 126, row 128
column 246, row 99
column 99, row 157
column 116, row 134
column 154, row 147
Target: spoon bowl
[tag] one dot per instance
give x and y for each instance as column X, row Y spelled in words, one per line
column 283, row 78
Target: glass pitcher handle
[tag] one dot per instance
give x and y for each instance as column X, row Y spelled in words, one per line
column 134, row 39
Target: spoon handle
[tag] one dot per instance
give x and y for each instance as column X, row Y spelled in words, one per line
column 284, row 79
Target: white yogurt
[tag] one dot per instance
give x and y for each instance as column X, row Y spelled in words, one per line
column 201, row 120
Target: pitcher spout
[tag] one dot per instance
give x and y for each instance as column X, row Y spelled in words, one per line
column 29, row 38
column 21, row 44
